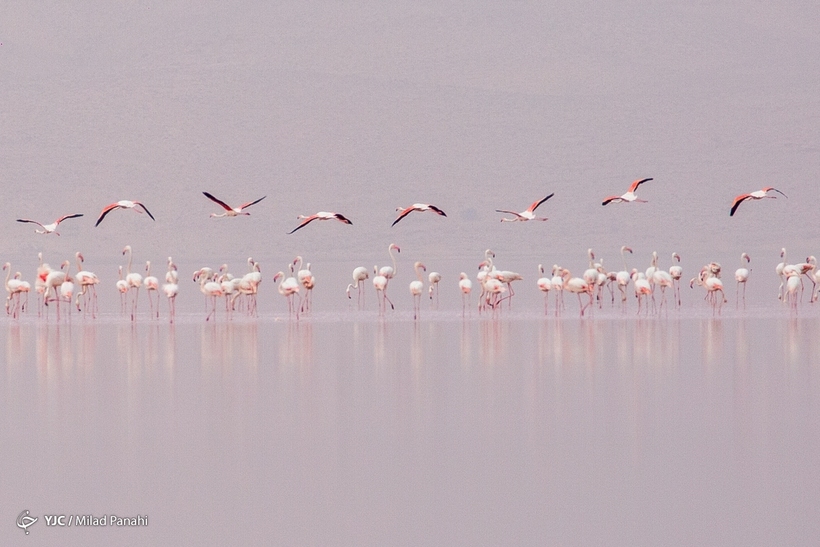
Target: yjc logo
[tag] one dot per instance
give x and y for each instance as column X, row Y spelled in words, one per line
column 24, row 520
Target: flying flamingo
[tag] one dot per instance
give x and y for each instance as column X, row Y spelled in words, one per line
column 544, row 285
column 88, row 286
column 759, row 194
column 524, row 216
column 151, row 285
column 321, row 215
column 741, row 276
column 416, row 207
column 49, row 228
column 629, row 195
column 465, row 285
column 416, row 288
column 123, row 204
column 133, row 280
column 231, row 211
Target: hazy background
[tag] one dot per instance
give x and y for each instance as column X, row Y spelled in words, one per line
column 361, row 107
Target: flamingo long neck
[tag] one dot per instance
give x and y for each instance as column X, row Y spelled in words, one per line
column 393, row 258
column 147, row 268
column 299, row 260
column 128, row 268
column 417, row 267
column 623, row 257
column 8, row 273
column 79, row 262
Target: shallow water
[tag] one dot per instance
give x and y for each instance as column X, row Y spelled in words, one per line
column 341, row 430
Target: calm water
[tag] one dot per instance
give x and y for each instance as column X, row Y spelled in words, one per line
column 347, row 430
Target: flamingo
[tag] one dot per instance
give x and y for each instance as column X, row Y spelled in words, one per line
column 122, row 286
column 524, row 216
column 49, row 228
column 67, row 287
column 307, row 280
column 793, row 282
column 231, row 211
column 288, row 287
column 321, row 215
column 170, row 288
column 507, row 277
column 380, row 284
column 88, row 286
column 779, row 271
column 40, row 283
column 417, row 207
column 123, row 204
column 416, row 288
column 14, row 287
column 741, row 276
column 579, row 286
column 433, row 278
column 759, row 194
column 629, row 195
column 623, row 277
column 544, row 285
column 359, row 275
column 151, row 285
column 466, row 286
column 210, row 288
column 663, row 279
column 133, row 280
column 54, row 279
column 18, row 287
column 557, row 283
column 676, row 272
column 642, row 287
column 390, row 271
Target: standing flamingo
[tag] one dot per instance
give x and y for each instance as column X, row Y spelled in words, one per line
column 466, row 286
column 433, row 278
column 151, row 285
column 741, row 276
column 171, row 288
column 54, row 279
column 88, row 286
column 14, row 287
column 416, row 288
column 359, row 275
column 67, row 288
column 628, row 196
column 307, row 280
column 579, row 286
column 524, row 216
column 544, row 285
column 676, row 272
column 623, row 277
column 134, row 281
column 380, row 284
column 122, row 287
column 288, row 287
column 210, row 288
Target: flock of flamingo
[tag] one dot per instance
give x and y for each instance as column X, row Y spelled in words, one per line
column 495, row 285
